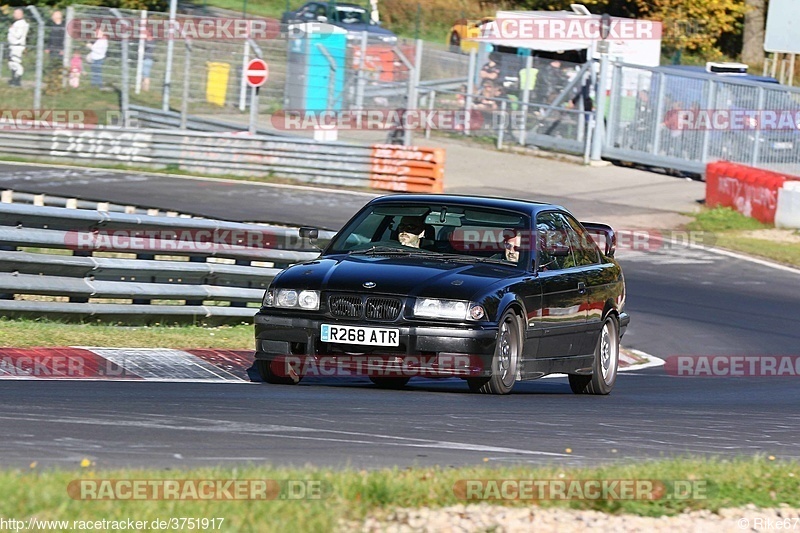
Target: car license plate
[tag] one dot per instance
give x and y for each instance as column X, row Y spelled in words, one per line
column 360, row 335
column 782, row 146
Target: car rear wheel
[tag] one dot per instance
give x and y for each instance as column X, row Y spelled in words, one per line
column 389, row 383
column 268, row 374
column 505, row 361
column 606, row 363
column 455, row 43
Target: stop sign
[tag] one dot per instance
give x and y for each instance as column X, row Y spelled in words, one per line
column 256, row 73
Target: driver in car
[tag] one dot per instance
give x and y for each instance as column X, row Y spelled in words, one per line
column 512, row 241
column 410, row 231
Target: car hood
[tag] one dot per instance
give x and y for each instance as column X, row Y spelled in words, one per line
column 404, row 276
column 372, row 29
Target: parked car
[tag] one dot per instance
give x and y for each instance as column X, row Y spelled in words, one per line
column 487, row 289
column 351, row 17
column 463, row 31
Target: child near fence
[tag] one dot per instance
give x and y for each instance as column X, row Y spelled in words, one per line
column 75, row 69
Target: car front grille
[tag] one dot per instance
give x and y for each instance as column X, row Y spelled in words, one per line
column 382, row 308
column 346, row 306
column 366, row 307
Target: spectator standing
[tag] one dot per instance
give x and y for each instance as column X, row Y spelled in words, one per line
column 96, row 57
column 17, row 37
column 55, row 41
column 75, row 69
column 149, row 59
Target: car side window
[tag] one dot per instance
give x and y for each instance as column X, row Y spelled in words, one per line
column 553, row 248
column 583, row 247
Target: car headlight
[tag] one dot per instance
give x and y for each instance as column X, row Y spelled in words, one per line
column 292, row 299
column 451, row 309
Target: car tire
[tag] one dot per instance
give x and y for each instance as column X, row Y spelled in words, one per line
column 455, row 43
column 505, row 361
column 389, row 383
column 269, row 376
column 606, row 363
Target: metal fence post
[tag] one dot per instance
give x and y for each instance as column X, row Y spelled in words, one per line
column 526, row 99
column 712, row 97
column 67, row 45
column 473, row 61
column 502, row 127
column 360, row 78
column 140, row 52
column 37, row 91
column 757, row 147
column 173, row 7
column 2, row 52
column 187, row 65
column 124, row 103
column 599, row 129
column 243, row 81
column 660, row 104
column 614, row 102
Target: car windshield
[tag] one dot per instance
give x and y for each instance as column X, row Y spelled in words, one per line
column 446, row 232
column 351, row 15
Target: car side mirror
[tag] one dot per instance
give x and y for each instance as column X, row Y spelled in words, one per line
column 604, row 235
column 309, row 233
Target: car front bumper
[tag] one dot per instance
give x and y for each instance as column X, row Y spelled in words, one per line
column 441, row 350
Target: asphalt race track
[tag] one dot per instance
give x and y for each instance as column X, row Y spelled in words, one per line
column 682, row 302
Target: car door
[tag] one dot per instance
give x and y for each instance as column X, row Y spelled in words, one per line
column 595, row 279
column 563, row 312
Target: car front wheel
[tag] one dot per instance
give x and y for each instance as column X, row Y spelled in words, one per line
column 455, row 43
column 606, row 363
column 505, row 361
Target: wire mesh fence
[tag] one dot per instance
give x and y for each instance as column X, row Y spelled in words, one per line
column 324, row 73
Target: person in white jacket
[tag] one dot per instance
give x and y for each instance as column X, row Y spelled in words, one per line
column 96, row 56
column 17, row 36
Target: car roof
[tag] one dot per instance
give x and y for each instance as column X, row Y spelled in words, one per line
column 527, row 206
column 702, row 70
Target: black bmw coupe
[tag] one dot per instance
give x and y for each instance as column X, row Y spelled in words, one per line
column 490, row 290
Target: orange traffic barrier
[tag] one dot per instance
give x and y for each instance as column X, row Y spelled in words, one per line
column 407, row 168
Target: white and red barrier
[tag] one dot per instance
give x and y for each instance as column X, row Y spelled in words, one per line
column 753, row 192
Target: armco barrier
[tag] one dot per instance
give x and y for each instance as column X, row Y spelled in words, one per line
column 787, row 215
column 751, row 191
column 408, row 168
column 150, row 268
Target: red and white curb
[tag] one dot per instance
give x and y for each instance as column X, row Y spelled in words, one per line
column 164, row 364
column 126, row 364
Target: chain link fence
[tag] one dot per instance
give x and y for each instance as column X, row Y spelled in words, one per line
column 503, row 96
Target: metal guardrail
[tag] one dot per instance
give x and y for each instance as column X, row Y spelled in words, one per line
column 150, row 118
column 203, row 269
column 407, row 168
